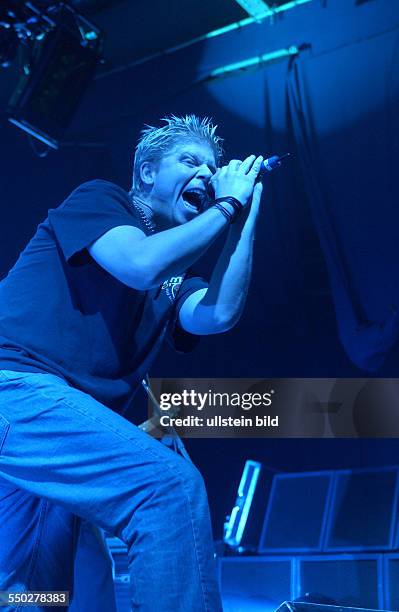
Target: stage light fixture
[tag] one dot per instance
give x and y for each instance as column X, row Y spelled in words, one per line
column 63, row 51
column 253, row 7
column 8, row 45
column 243, row 526
column 235, row 525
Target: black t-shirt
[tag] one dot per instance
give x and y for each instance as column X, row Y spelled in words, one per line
column 60, row 312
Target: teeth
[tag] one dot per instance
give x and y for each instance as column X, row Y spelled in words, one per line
column 194, row 197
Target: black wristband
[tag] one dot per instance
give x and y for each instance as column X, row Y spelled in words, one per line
column 236, row 204
column 229, row 216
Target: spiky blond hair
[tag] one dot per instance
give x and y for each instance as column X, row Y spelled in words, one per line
column 156, row 141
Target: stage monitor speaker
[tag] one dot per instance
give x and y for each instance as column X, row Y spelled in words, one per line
column 347, row 581
column 254, row 583
column 364, row 508
column 296, row 513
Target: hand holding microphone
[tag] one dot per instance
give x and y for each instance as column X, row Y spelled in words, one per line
column 237, row 179
column 234, row 185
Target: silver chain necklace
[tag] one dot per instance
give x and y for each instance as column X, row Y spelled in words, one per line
column 146, row 221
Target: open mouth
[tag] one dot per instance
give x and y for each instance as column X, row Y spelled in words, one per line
column 194, row 199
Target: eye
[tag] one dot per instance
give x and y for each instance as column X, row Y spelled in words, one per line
column 189, row 161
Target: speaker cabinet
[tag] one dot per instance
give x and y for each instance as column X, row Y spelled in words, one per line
column 349, row 581
column 391, row 574
column 254, row 583
column 296, row 514
column 363, row 512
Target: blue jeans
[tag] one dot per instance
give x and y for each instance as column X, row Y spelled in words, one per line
column 64, row 458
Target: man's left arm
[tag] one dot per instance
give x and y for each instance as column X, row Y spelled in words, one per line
column 219, row 307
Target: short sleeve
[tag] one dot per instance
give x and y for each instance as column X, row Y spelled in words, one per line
column 89, row 212
column 181, row 340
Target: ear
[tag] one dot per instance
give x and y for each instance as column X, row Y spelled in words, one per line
column 147, row 173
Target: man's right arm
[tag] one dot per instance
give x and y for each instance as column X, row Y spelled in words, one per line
column 143, row 262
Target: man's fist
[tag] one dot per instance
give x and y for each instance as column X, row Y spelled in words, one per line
column 237, row 179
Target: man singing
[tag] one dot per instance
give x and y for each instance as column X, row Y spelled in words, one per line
column 83, row 314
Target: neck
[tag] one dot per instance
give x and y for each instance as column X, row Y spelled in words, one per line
column 145, row 211
column 145, row 207
column 151, row 211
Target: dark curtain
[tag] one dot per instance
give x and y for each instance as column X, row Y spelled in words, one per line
column 343, row 112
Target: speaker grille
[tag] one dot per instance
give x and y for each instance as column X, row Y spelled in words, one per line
column 363, row 510
column 296, row 513
column 350, row 582
column 259, row 580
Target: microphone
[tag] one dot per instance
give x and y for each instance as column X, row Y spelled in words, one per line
column 273, row 162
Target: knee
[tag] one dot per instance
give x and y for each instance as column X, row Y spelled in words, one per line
column 191, row 480
column 177, row 488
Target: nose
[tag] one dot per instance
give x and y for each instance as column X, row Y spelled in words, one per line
column 204, row 172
